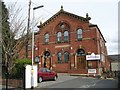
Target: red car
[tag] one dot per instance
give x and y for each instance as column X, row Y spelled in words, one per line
column 46, row 74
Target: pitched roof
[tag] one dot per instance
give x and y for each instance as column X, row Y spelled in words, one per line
column 114, row 58
column 65, row 13
column 94, row 25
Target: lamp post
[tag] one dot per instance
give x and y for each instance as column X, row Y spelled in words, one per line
column 32, row 70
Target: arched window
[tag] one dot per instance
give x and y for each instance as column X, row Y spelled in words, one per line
column 80, row 52
column 66, row 57
column 46, row 38
column 59, row 37
column 66, row 36
column 59, row 57
column 62, row 26
column 47, row 54
column 79, row 34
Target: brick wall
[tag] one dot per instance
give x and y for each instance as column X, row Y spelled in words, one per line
column 13, row 83
column 89, row 43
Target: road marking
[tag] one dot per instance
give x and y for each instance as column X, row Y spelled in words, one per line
column 88, row 86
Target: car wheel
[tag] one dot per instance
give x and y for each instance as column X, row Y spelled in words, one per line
column 40, row 79
column 55, row 78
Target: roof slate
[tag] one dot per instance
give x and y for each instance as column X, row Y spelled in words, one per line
column 114, row 57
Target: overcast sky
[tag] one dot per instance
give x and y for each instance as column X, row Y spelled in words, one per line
column 104, row 13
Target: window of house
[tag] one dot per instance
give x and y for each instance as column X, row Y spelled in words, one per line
column 66, row 57
column 46, row 38
column 59, row 57
column 66, row 36
column 79, row 34
column 59, row 37
column 62, row 26
column 80, row 52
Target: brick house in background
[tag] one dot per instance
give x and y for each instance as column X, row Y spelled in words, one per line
column 64, row 41
column 115, row 62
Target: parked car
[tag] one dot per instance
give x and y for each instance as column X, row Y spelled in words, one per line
column 46, row 74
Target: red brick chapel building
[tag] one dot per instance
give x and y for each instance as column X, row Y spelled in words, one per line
column 69, row 43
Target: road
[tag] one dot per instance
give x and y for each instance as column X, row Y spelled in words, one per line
column 65, row 81
column 75, row 83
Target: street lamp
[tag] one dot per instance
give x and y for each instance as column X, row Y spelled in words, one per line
column 32, row 71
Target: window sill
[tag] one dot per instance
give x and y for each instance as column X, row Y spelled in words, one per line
column 45, row 43
column 63, row 42
column 59, row 62
column 62, row 62
column 79, row 39
column 66, row 41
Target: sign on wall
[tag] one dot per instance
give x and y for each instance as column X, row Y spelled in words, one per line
column 91, row 71
column 37, row 59
column 92, row 57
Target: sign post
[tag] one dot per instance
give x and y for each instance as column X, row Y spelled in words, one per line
column 37, row 59
column 92, row 57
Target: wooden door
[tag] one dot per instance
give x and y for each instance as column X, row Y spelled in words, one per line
column 48, row 63
column 81, row 62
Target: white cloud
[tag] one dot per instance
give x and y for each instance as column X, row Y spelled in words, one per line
column 112, row 48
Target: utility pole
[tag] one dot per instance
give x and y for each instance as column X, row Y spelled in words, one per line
column 28, row 28
column 32, row 70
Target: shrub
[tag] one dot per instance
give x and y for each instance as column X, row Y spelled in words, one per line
column 24, row 61
column 98, row 76
column 18, row 71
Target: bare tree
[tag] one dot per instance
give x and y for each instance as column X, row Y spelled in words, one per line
column 17, row 36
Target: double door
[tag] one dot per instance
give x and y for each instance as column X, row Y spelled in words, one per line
column 81, row 62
